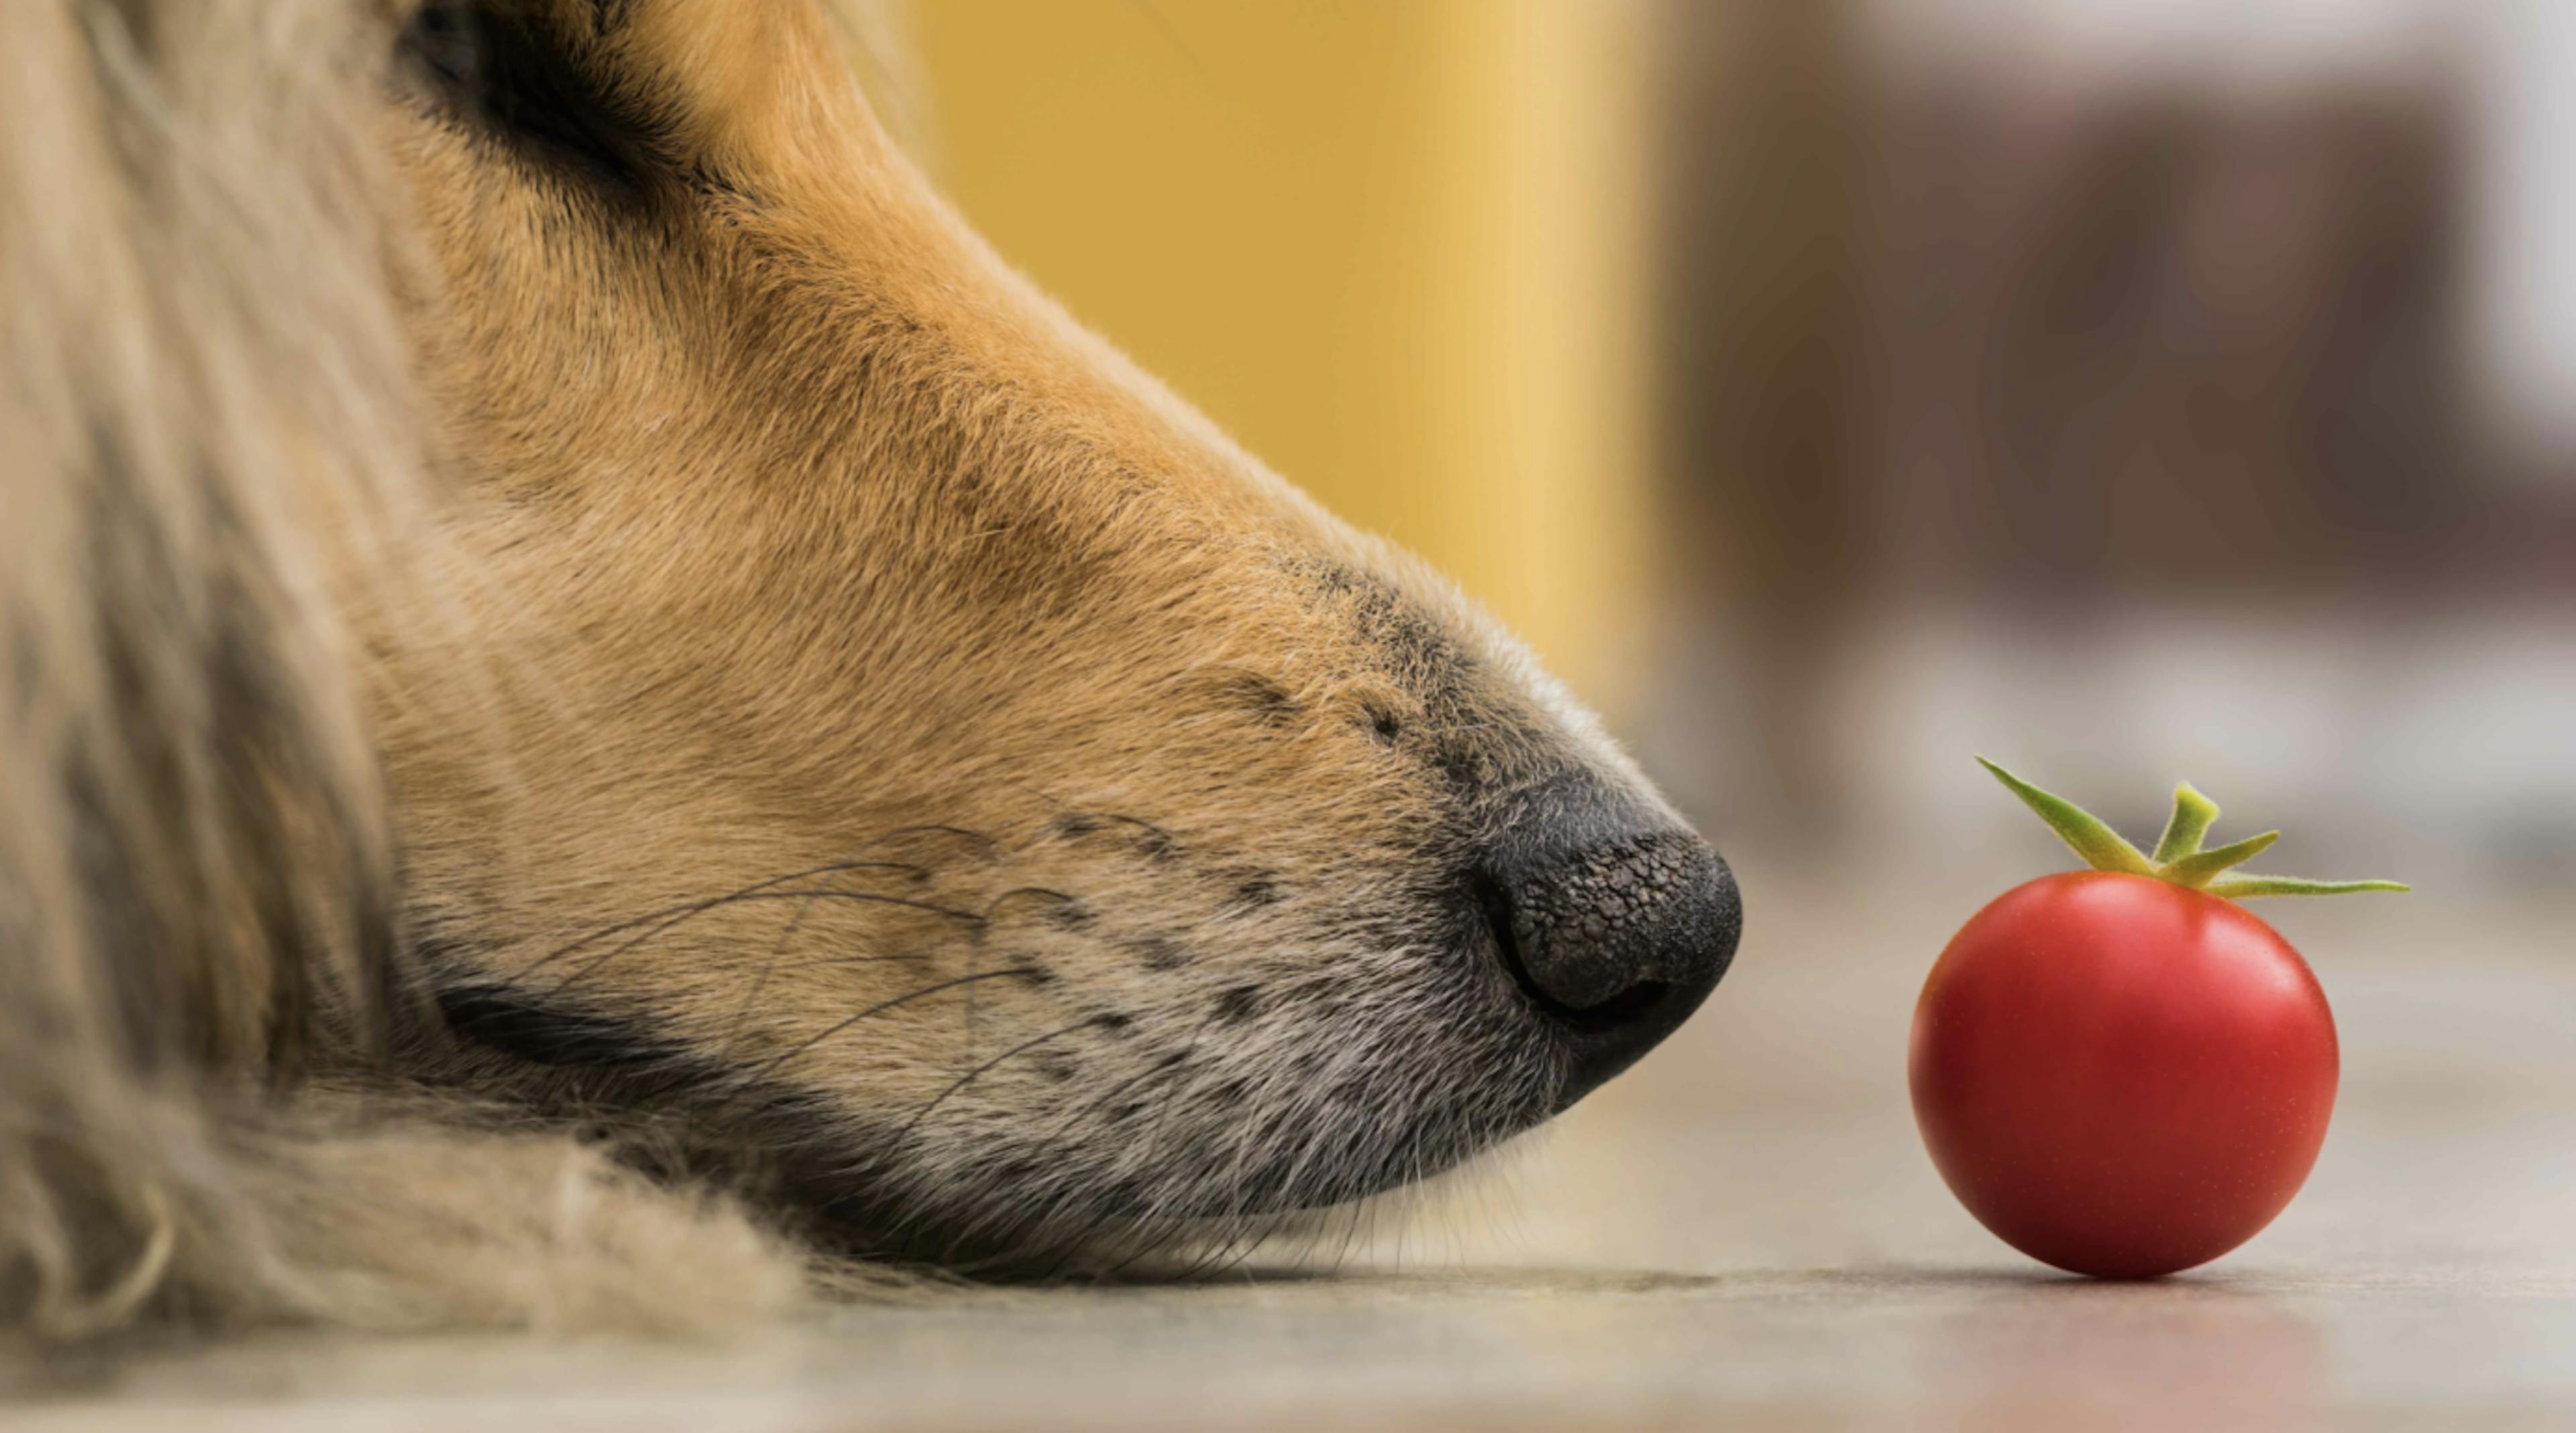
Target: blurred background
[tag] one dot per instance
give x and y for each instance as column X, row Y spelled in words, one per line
column 2126, row 388
column 2129, row 390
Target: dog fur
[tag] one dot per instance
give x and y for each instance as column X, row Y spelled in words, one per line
column 610, row 721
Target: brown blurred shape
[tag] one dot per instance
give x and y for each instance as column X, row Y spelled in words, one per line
column 1996, row 339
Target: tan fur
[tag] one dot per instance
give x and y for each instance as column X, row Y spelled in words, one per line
column 929, row 795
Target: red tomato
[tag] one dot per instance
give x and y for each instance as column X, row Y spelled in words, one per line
column 2119, row 1071
column 2121, row 1076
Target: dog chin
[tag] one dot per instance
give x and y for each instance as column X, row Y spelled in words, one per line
column 1047, row 1222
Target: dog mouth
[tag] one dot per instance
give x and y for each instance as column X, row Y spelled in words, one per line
column 1249, row 1149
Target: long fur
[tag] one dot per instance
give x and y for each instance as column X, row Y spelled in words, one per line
column 207, row 391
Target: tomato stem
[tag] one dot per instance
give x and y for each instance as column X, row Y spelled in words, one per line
column 2101, row 847
column 2193, row 815
column 2246, row 888
column 2200, row 868
column 2179, row 857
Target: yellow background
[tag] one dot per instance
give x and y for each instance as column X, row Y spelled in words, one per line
column 1394, row 246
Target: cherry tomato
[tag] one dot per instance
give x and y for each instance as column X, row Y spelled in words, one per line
column 2121, row 1071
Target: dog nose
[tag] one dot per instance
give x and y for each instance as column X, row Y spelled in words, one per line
column 1615, row 936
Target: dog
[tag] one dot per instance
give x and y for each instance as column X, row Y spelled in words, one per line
column 611, row 721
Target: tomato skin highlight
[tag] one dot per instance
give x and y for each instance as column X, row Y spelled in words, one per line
column 2121, row 1076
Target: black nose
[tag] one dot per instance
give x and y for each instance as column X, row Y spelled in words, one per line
column 1616, row 936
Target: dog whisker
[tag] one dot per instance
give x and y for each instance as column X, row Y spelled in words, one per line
column 980, row 1070
column 688, row 909
column 1063, row 904
column 777, row 954
column 754, row 1076
column 756, row 895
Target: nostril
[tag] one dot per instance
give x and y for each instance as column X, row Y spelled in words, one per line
column 1620, row 1007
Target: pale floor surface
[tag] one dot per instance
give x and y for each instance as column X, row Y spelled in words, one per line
column 1744, row 1233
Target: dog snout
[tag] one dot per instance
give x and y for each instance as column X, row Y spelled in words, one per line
column 1615, row 934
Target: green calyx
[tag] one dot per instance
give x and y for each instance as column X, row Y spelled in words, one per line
column 2178, row 857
